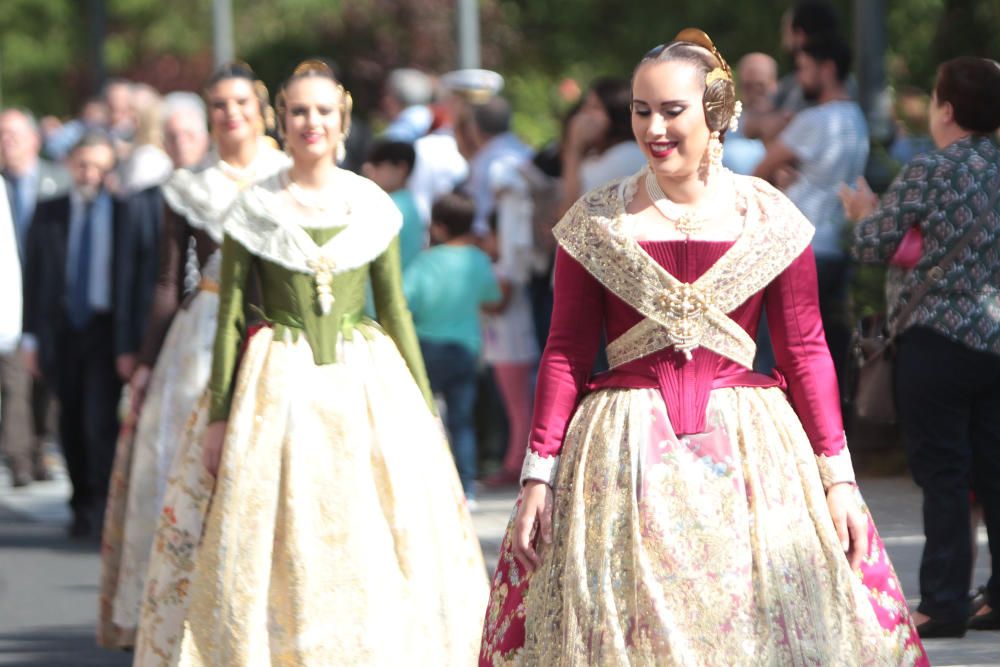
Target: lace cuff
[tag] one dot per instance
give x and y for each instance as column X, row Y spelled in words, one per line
column 836, row 469
column 541, row 468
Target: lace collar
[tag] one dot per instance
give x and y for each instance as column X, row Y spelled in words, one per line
column 370, row 221
column 685, row 315
column 202, row 194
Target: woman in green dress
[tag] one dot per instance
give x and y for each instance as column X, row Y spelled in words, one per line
column 338, row 532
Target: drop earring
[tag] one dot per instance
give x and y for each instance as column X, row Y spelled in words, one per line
column 714, row 153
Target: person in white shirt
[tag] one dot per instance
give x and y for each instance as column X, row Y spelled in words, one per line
column 15, row 382
column 498, row 150
column 404, row 102
column 28, row 180
column 757, row 79
column 826, row 145
column 510, row 344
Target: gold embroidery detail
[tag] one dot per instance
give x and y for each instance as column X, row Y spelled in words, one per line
column 688, row 306
column 775, row 233
column 323, row 268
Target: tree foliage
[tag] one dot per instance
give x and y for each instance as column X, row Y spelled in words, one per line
column 534, row 43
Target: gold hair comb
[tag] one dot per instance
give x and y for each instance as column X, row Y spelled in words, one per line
column 700, row 38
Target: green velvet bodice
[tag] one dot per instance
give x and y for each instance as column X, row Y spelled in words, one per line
column 289, row 304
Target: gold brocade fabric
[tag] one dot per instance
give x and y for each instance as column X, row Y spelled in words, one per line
column 177, row 382
column 338, row 533
column 110, row 635
column 686, row 316
column 712, row 549
column 179, row 528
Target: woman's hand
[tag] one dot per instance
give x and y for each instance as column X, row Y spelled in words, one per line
column 585, row 131
column 850, row 522
column 533, row 517
column 137, row 386
column 859, row 202
column 211, row 446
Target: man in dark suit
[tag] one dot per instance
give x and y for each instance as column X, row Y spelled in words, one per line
column 28, row 406
column 137, row 260
column 68, row 323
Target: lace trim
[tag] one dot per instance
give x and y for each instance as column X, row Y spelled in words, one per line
column 541, row 468
column 836, row 469
column 202, row 195
column 370, row 220
column 685, row 315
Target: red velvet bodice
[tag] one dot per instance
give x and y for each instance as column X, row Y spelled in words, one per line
column 583, row 307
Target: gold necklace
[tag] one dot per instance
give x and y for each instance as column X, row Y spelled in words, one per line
column 684, row 221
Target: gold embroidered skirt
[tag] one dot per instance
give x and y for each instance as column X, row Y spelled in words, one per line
column 177, row 381
column 110, row 635
column 338, row 533
column 175, row 546
column 710, row 549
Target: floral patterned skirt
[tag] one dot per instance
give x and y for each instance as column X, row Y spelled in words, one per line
column 710, row 549
column 338, row 533
column 177, row 382
column 110, row 635
column 175, row 545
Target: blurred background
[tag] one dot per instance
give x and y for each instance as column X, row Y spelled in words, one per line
column 56, row 53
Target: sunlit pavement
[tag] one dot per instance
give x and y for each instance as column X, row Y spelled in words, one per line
column 48, row 584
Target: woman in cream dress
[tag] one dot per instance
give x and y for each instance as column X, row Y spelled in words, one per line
column 338, row 533
column 681, row 509
column 176, row 354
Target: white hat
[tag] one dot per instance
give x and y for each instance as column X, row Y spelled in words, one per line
column 477, row 84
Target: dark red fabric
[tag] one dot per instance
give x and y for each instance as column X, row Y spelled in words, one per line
column 583, row 308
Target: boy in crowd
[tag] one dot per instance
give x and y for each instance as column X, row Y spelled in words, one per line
column 389, row 164
column 446, row 286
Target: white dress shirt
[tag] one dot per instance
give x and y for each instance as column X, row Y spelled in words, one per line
column 10, row 278
column 438, row 170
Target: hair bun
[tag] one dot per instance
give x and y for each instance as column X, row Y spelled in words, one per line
column 314, row 67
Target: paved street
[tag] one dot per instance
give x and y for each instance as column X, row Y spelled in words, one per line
column 48, row 585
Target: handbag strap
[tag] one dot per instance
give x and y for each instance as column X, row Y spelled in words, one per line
column 937, row 272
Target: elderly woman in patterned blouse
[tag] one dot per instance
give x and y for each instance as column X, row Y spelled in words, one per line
column 948, row 365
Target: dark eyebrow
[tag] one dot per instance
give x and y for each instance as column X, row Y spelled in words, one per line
column 662, row 104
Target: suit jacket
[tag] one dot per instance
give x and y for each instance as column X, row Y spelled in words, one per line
column 136, row 270
column 45, row 290
column 53, row 182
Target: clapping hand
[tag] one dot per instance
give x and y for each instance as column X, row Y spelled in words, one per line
column 859, row 202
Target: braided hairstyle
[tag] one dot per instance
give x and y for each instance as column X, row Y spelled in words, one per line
column 314, row 67
column 693, row 46
column 237, row 69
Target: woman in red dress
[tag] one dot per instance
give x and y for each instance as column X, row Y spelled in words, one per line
column 681, row 509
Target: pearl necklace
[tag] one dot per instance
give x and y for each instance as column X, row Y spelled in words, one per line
column 320, row 200
column 686, row 222
column 241, row 175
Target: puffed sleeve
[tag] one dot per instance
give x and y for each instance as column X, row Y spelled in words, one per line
column 802, row 355
column 574, row 338
column 232, row 327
